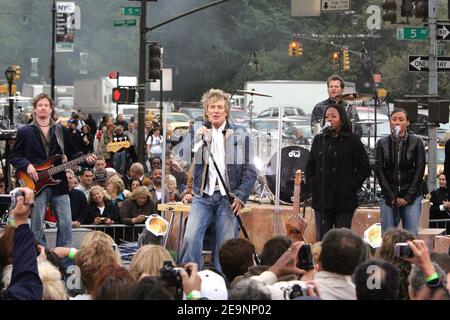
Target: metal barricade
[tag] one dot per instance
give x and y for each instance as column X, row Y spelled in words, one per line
column 119, row 232
column 440, row 223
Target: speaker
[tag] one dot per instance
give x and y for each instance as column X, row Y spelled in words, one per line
column 438, row 111
column 410, row 106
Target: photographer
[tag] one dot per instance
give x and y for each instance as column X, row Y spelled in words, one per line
column 25, row 282
column 286, row 264
column 434, row 279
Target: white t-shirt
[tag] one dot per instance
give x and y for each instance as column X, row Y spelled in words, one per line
column 155, row 144
column 102, row 209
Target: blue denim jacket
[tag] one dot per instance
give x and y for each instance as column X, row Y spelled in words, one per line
column 239, row 159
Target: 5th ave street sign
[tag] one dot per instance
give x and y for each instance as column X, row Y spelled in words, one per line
column 420, row 63
column 412, row 33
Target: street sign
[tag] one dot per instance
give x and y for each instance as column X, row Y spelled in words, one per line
column 335, row 5
column 412, row 33
column 443, row 32
column 130, row 11
column 125, row 23
column 420, row 63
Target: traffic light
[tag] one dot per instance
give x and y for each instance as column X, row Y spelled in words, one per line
column 154, row 72
column 421, row 9
column 17, row 69
column 390, row 11
column 345, row 60
column 295, row 48
column 335, row 57
column 123, row 95
column 406, row 8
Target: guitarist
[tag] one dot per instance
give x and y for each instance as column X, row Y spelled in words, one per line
column 35, row 143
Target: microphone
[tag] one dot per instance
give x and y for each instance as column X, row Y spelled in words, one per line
column 199, row 144
column 326, row 127
column 255, row 61
column 397, row 131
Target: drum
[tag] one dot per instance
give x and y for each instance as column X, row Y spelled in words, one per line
column 293, row 158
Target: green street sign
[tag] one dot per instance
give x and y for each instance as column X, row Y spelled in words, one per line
column 130, row 11
column 412, row 33
column 125, row 23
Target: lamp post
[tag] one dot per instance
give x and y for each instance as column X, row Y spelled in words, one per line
column 10, row 74
column 52, row 62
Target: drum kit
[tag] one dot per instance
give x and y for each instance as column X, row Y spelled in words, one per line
column 295, row 157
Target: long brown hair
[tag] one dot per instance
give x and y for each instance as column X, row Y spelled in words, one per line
column 41, row 96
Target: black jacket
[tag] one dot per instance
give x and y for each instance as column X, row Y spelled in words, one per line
column 411, row 168
column 111, row 211
column 346, row 168
column 25, row 281
column 78, row 206
column 437, row 197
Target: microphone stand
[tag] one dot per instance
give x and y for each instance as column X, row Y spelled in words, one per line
column 396, row 182
column 323, row 187
column 231, row 199
column 368, row 63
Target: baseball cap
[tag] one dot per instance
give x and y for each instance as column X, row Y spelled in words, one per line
column 100, row 176
column 213, row 286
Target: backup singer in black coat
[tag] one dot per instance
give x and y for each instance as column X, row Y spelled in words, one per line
column 342, row 156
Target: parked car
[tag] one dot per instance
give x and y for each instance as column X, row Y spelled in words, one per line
column 239, row 116
column 192, row 112
column 288, row 112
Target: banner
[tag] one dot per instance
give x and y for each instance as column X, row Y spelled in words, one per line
column 65, row 26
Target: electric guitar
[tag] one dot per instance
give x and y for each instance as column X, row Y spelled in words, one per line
column 116, row 146
column 296, row 223
column 46, row 170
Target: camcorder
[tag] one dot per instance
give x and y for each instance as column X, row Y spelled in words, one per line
column 8, row 202
column 305, row 258
column 403, row 250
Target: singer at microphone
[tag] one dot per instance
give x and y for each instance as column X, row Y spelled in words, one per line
column 400, row 174
column 222, row 179
column 336, row 168
column 327, row 126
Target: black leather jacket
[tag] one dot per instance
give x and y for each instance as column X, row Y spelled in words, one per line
column 411, row 168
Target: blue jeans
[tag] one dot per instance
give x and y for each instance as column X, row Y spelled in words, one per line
column 409, row 215
column 204, row 211
column 61, row 210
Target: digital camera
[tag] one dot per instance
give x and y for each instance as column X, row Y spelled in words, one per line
column 296, row 291
column 305, row 258
column 170, row 274
column 403, row 250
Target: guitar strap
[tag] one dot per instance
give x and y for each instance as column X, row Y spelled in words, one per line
column 60, row 137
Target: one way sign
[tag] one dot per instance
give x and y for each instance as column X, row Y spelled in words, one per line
column 420, row 63
column 443, row 32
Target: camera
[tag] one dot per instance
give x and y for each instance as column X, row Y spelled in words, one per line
column 402, row 250
column 14, row 195
column 305, row 257
column 295, row 291
column 170, row 274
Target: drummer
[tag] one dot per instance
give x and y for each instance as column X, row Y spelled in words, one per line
column 335, row 89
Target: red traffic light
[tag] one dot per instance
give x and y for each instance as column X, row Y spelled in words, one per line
column 123, row 95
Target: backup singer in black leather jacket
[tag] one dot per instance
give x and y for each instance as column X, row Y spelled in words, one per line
column 411, row 168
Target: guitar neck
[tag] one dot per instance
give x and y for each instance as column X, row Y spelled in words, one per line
column 67, row 165
column 296, row 199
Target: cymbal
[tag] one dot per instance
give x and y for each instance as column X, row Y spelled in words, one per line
column 253, row 93
column 355, row 97
column 368, row 122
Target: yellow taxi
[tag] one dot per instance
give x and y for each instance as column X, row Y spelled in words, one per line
column 440, row 159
